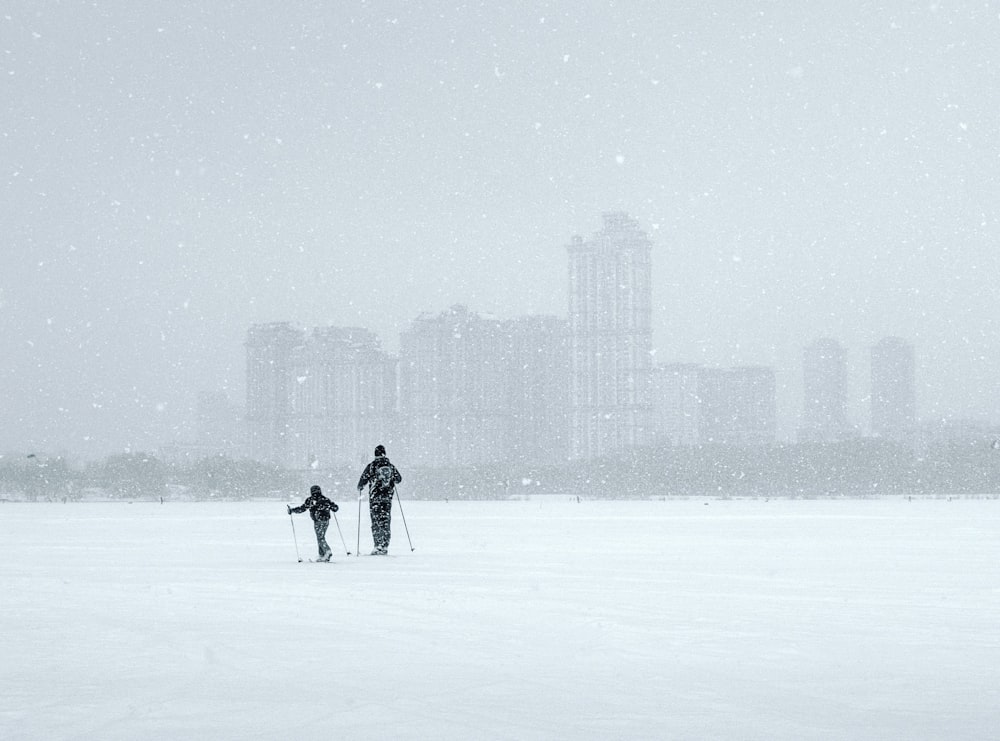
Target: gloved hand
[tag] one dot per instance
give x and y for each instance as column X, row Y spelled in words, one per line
column 335, row 507
column 289, row 508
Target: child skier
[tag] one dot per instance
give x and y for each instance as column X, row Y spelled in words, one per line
column 319, row 509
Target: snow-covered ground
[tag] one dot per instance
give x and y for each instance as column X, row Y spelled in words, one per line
column 538, row 619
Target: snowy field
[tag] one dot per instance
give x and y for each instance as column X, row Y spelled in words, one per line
column 539, row 619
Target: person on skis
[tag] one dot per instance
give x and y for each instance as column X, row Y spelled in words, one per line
column 319, row 509
column 381, row 478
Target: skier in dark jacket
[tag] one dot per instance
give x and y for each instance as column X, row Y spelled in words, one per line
column 381, row 477
column 319, row 509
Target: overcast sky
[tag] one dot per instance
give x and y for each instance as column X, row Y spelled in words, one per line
column 171, row 172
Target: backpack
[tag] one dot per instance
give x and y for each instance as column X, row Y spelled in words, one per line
column 383, row 476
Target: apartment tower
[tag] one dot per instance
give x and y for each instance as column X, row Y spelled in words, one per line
column 610, row 312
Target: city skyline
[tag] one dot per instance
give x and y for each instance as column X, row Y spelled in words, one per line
column 177, row 174
column 468, row 390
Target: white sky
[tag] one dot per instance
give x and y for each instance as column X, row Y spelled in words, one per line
column 172, row 172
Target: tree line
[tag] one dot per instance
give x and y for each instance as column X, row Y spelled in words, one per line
column 141, row 476
column 861, row 467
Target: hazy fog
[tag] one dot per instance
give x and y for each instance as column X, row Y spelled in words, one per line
column 171, row 172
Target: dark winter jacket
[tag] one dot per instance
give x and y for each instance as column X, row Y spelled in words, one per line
column 381, row 475
column 318, row 505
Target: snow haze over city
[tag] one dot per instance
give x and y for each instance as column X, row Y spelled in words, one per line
column 173, row 173
column 679, row 320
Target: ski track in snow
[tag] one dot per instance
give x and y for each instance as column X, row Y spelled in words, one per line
column 540, row 619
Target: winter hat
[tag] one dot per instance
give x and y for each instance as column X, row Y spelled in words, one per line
column 315, row 489
column 379, row 450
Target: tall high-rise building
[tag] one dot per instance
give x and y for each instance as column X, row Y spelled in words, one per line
column 270, row 349
column 894, row 396
column 344, row 398
column 737, row 405
column 452, row 388
column 610, row 319
column 824, row 405
column 317, row 401
column 537, row 362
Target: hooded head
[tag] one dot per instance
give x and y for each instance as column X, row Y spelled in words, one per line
column 315, row 489
column 379, row 450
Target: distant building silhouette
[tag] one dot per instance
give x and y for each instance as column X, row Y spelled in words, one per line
column 452, row 389
column 610, row 316
column 471, row 390
column 737, row 406
column 317, row 401
column 676, row 408
column 344, row 396
column 893, row 398
column 824, row 383
column 537, row 376
column 270, row 352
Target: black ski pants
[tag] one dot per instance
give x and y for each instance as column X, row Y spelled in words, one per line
column 324, row 549
column 380, row 508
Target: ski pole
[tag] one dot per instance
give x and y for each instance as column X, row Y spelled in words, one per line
column 294, row 537
column 404, row 522
column 341, row 534
column 357, row 551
